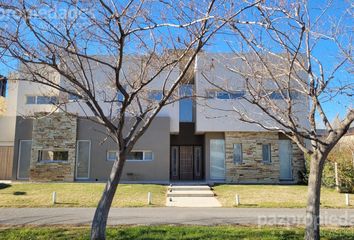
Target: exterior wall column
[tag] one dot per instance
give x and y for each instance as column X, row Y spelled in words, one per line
column 55, row 131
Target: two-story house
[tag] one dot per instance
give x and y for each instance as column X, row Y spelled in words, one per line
column 193, row 139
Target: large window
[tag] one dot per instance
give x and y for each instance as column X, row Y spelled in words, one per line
column 52, row 156
column 238, row 158
column 24, row 159
column 41, row 100
column 155, row 95
column 186, row 103
column 266, row 152
column 132, row 156
column 217, row 159
column 73, row 97
column 276, row 95
column 219, row 94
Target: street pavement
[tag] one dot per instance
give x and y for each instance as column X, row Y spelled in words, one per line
column 174, row 216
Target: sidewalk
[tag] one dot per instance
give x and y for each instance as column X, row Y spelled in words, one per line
column 157, row 216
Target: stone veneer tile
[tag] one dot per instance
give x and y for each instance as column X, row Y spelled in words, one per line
column 253, row 170
column 56, row 131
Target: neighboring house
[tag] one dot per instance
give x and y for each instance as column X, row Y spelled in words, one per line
column 190, row 140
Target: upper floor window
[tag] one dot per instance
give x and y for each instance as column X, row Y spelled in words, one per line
column 186, row 104
column 3, row 86
column 219, row 94
column 284, row 94
column 73, row 97
column 156, row 95
column 41, row 100
column 120, row 96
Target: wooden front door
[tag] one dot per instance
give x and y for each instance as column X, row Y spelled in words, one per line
column 186, row 163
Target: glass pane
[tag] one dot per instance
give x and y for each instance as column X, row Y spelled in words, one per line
column 24, row 159
column 155, row 95
column 237, row 94
column 266, row 152
column 43, row 100
column 53, row 100
column 186, row 104
column 197, row 161
column 73, row 97
column 223, row 95
column 210, row 93
column 175, row 161
column 50, row 155
column 111, row 155
column 217, row 159
column 120, row 97
column 135, row 156
column 83, row 159
column 285, row 153
column 30, row 100
column 148, row 155
column 238, row 153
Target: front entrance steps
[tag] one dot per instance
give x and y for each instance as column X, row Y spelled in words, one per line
column 191, row 196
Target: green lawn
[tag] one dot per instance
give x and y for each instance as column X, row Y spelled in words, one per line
column 268, row 196
column 175, row 232
column 77, row 195
column 20, row 194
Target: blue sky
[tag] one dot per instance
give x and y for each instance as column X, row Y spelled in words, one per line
column 325, row 51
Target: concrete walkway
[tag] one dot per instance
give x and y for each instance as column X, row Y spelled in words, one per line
column 156, row 216
column 191, row 196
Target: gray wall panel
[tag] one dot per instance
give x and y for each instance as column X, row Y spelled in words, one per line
column 156, row 139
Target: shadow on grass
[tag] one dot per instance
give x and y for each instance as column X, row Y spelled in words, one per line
column 4, row 185
column 19, row 193
column 248, row 205
column 66, row 203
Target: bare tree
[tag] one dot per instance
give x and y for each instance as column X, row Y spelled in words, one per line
column 295, row 60
column 133, row 43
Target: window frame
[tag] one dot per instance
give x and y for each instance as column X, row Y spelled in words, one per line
column 155, row 95
column 19, row 158
column 107, row 154
column 73, row 97
column 144, row 159
column 31, row 96
column 283, row 95
column 35, row 97
column 89, row 159
column 241, row 154
column 269, row 160
column 134, row 160
column 225, row 95
column 51, row 161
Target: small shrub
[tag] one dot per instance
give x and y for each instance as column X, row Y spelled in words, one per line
column 343, row 157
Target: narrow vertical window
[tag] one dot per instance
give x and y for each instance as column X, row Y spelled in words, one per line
column 238, row 158
column 266, row 151
column 175, row 161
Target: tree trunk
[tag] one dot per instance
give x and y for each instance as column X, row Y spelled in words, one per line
column 313, row 197
column 98, row 228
